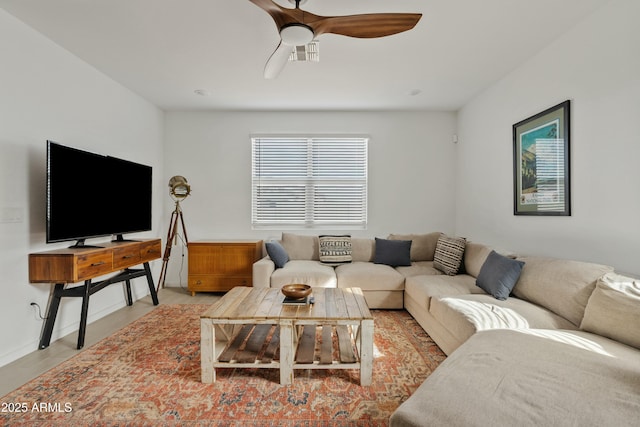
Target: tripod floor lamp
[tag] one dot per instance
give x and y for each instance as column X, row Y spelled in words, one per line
column 179, row 189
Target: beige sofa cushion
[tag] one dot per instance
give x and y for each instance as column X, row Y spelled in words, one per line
column 423, row 246
column 475, row 254
column 465, row 315
column 311, row 273
column 303, row 247
column 363, row 249
column 531, row 378
column 299, row 246
column 613, row 309
column 369, row 276
column 419, row 268
column 562, row 286
column 423, row 288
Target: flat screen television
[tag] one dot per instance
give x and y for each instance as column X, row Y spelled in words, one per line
column 93, row 195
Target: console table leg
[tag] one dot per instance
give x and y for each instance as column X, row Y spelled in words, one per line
column 152, row 287
column 83, row 313
column 52, row 312
column 129, row 297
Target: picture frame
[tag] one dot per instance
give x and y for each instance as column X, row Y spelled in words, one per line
column 541, row 163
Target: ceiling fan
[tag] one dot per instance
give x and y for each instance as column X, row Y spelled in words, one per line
column 298, row 27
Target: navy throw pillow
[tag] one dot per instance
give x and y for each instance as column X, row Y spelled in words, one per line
column 395, row 253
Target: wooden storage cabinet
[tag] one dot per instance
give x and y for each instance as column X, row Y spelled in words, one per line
column 220, row 265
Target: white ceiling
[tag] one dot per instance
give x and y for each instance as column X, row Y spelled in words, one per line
column 165, row 49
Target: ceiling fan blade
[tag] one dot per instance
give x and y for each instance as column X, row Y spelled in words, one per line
column 281, row 15
column 366, row 25
column 277, row 61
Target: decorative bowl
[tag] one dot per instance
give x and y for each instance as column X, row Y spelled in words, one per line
column 296, row 290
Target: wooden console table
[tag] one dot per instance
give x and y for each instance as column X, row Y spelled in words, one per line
column 73, row 265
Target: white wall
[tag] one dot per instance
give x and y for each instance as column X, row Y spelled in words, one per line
column 597, row 66
column 410, row 173
column 47, row 93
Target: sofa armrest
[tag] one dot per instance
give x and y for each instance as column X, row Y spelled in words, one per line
column 262, row 270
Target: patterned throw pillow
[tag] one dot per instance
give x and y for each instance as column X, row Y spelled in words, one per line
column 449, row 253
column 335, row 250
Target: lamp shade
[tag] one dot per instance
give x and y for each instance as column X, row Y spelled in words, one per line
column 179, row 188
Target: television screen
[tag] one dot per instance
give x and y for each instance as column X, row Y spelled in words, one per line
column 92, row 195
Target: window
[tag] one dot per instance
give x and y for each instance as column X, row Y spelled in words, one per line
column 314, row 182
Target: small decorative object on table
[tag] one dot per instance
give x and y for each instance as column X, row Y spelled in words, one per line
column 296, row 292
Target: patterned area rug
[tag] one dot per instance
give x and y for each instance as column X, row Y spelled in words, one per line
column 148, row 374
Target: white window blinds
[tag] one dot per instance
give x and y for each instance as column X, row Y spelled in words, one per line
column 309, row 182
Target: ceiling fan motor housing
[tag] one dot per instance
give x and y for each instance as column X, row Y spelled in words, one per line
column 296, row 34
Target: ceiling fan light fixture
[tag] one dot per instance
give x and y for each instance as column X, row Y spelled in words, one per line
column 309, row 52
column 296, row 34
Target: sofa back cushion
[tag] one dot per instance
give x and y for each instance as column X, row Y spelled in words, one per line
column 475, row 255
column 301, row 247
column 362, row 249
column 613, row 310
column 423, row 246
column 562, row 286
column 304, row 247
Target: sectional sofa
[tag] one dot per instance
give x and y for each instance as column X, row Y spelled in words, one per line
column 382, row 284
column 530, row 340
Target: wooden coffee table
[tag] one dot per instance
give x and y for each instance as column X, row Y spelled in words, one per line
column 252, row 328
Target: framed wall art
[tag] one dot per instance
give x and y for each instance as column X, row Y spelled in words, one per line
column 541, row 178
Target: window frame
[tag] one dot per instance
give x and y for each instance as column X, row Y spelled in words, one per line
column 347, row 191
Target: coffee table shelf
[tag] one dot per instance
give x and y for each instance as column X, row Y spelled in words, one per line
column 316, row 345
column 251, row 328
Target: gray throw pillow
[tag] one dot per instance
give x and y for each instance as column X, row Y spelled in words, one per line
column 499, row 275
column 395, row 253
column 277, row 253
